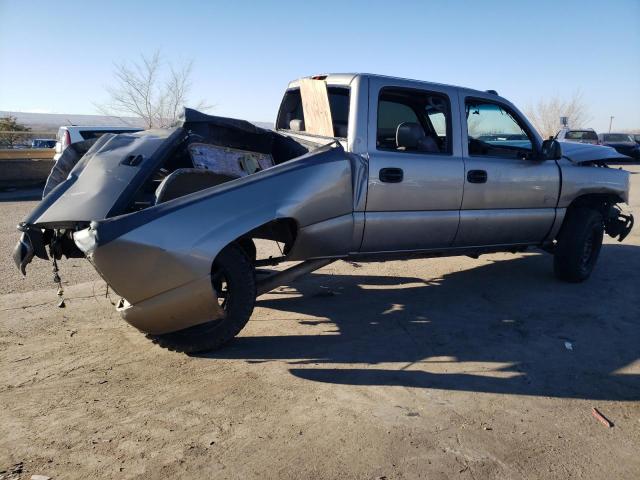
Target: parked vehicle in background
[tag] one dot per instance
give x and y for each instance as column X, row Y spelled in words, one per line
column 43, row 143
column 68, row 135
column 636, row 137
column 585, row 135
column 360, row 167
column 624, row 143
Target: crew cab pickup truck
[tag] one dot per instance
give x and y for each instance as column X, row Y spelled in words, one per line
column 358, row 166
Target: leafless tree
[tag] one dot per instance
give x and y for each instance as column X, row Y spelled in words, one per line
column 12, row 133
column 151, row 90
column 545, row 115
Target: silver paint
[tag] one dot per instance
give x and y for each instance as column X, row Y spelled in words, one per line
column 162, row 265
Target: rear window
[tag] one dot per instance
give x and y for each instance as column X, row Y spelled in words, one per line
column 91, row 134
column 291, row 110
column 616, row 137
column 43, row 143
column 581, row 135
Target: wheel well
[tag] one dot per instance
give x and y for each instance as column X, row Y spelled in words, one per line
column 601, row 202
column 281, row 230
column 598, row 201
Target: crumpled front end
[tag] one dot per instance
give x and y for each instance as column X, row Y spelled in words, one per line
column 129, row 268
column 159, row 260
column 586, row 177
column 584, row 153
column 154, row 242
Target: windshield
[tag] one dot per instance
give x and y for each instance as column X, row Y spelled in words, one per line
column 581, row 135
column 617, row 137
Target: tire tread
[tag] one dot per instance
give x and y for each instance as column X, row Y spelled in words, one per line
column 567, row 255
column 213, row 335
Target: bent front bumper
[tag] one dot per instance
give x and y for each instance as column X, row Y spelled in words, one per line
column 23, row 253
column 618, row 224
column 191, row 303
column 31, row 244
column 182, row 307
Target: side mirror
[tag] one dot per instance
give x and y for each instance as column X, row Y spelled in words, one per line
column 551, row 149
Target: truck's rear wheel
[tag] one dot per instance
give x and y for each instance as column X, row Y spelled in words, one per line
column 579, row 245
column 233, row 278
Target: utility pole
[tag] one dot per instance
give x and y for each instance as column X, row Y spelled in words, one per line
column 610, row 122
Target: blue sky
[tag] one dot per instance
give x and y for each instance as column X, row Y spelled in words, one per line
column 57, row 56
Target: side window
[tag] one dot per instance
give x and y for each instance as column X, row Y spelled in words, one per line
column 494, row 131
column 390, row 115
column 91, row 134
column 411, row 120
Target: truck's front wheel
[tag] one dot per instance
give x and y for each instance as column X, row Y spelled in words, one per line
column 579, row 245
column 233, row 278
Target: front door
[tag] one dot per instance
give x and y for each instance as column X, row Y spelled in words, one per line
column 416, row 169
column 510, row 195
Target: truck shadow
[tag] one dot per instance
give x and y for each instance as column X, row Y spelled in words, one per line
column 504, row 327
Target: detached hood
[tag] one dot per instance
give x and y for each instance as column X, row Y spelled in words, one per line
column 584, row 152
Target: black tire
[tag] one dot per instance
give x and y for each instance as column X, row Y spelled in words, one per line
column 579, row 245
column 233, row 268
column 249, row 248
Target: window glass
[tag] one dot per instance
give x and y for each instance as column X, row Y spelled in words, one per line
column 581, row 135
column 411, row 120
column 493, row 131
column 91, row 134
column 339, row 104
column 42, row 143
column 392, row 114
column 617, row 137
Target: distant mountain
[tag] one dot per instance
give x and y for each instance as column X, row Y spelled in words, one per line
column 44, row 122
column 51, row 121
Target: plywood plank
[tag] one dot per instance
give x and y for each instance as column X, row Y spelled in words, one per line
column 315, row 105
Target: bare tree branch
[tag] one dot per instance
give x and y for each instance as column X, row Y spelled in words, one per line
column 545, row 115
column 144, row 90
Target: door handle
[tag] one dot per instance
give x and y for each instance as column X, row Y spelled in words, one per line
column 391, row 175
column 477, row 176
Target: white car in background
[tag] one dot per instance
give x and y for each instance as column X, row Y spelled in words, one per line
column 584, row 135
column 68, row 135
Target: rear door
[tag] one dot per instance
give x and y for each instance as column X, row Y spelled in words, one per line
column 415, row 190
column 509, row 195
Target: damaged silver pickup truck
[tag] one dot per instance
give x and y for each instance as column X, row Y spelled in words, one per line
column 358, row 166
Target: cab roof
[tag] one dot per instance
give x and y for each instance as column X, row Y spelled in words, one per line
column 347, row 78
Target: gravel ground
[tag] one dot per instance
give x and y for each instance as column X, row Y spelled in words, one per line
column 438, row 369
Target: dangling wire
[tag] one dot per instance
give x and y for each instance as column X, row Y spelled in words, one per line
column 58, row 281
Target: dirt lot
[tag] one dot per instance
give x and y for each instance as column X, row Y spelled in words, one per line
column 448, row 368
